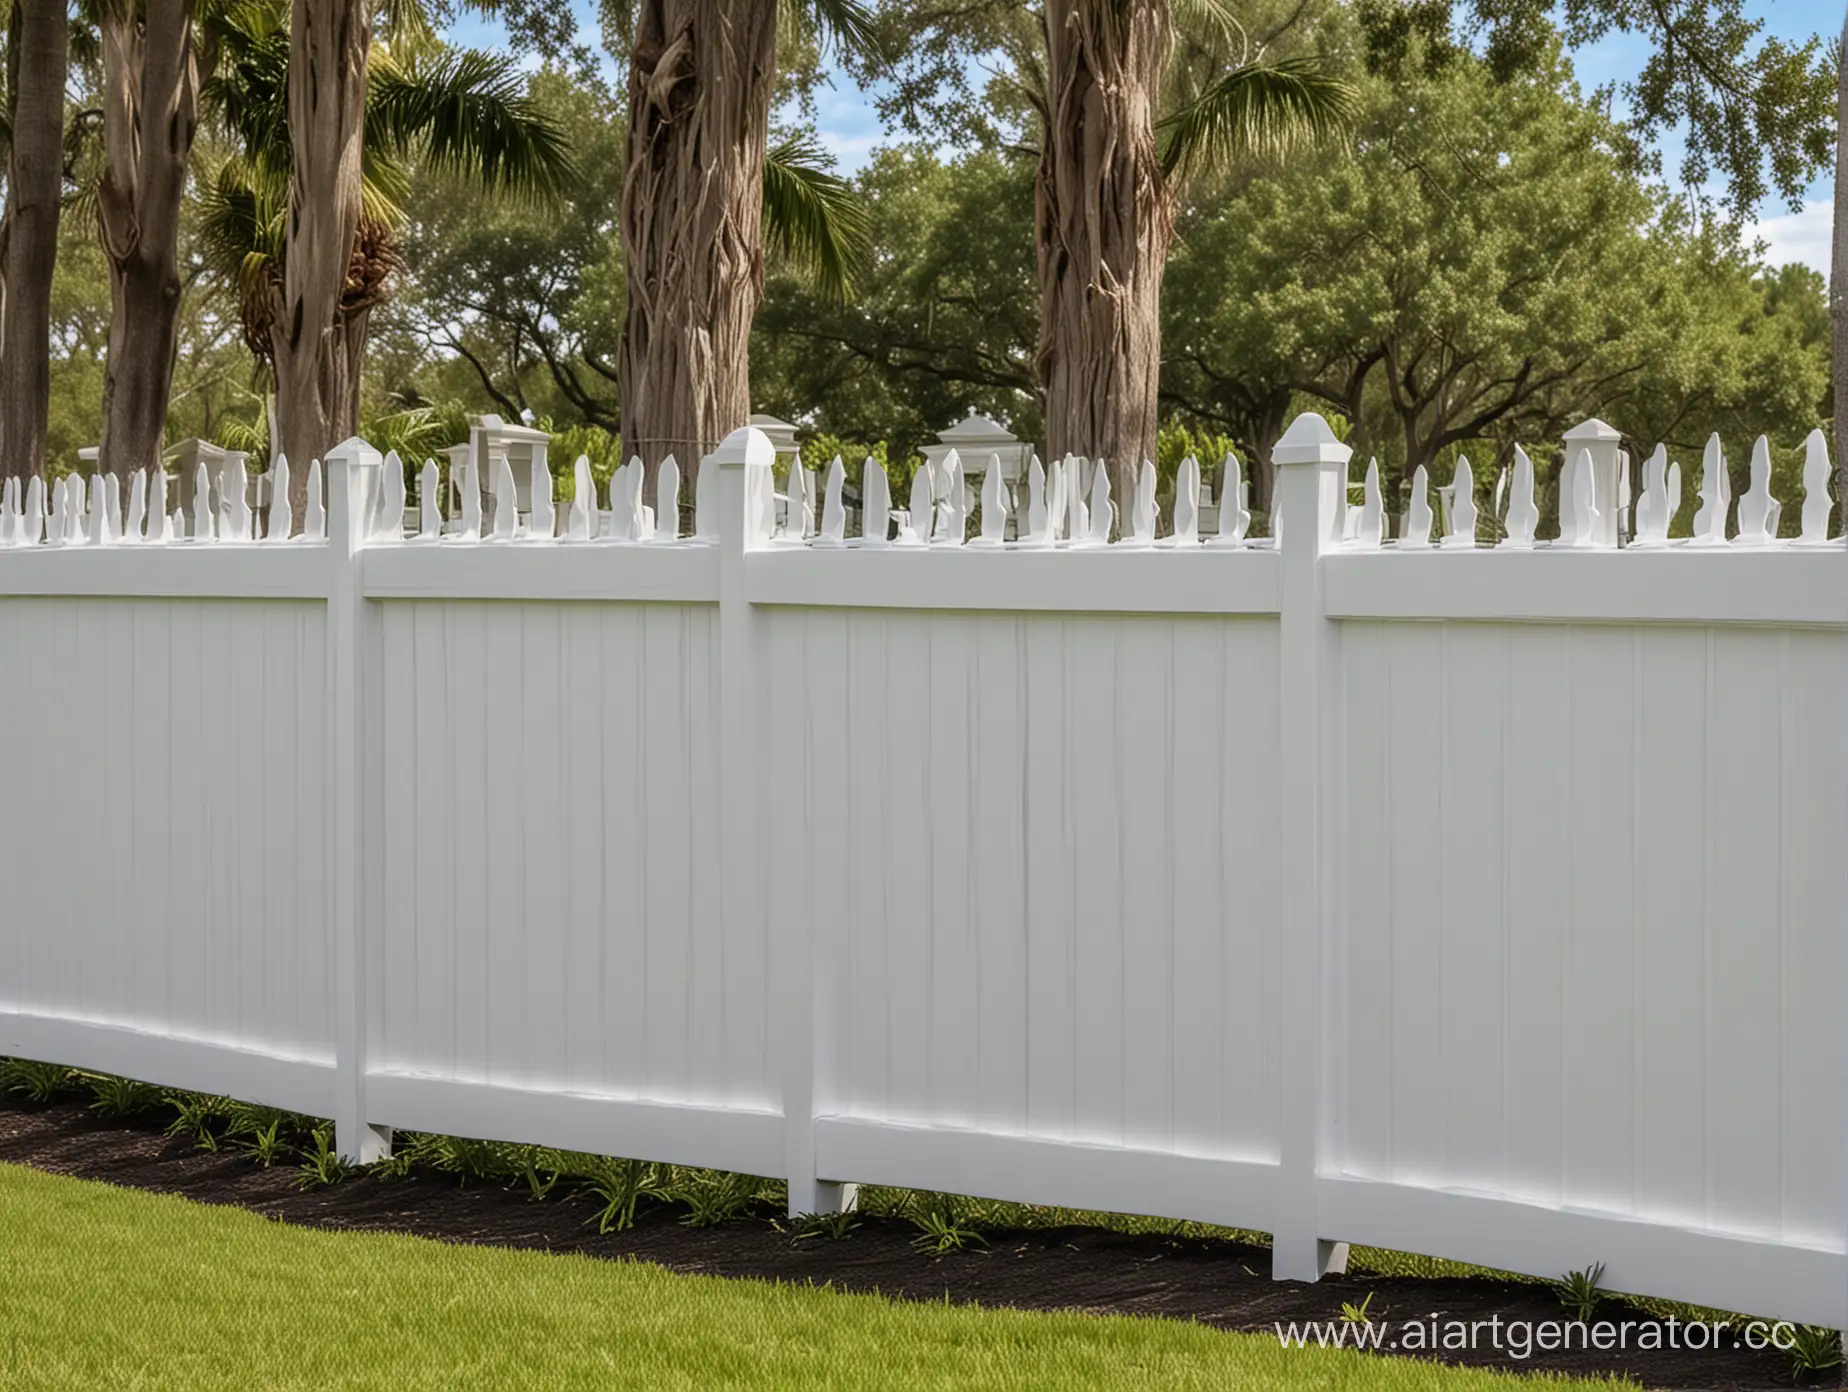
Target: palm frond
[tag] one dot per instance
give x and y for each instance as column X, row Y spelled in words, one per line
column 1264, row 109
column 242, row 230
column 248, row 87
column 813, row 216
column 1213, row 16
column 847, row 25
column 466, row 112
column 407, row 22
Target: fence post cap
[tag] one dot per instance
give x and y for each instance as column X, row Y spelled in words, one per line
column 355, row 451
column 1310, row 440
column 1593, row 429
column 746, row 445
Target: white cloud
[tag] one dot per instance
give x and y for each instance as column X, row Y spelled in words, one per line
column 1803, row 236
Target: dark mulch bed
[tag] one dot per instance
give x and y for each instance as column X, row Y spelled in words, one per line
column 1223, row 1284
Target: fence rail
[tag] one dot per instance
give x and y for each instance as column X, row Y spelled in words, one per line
column 1480, row 900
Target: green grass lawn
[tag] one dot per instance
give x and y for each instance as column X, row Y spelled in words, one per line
column 106, row 1287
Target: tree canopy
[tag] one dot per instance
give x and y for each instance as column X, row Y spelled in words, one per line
column 1487, row 254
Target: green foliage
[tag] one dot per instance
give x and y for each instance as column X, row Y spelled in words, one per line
column 713, row 1197
column 1173, row 444
column 603, row 448
column 833, row 1226
column 1580, row 1291
column 418, row 433
column 819, row 451
column 1757, row 111
column 945, row 316
column 459, row 114
column 1810, row 1348
column 321, row 1164
column 1358, row 1314
column 42, row 1082
column 196, row 1114
column 463, row 114
column 120, row 1098
column 1261, row 109
column 264, row 1143
column 944, row 1225
column 812, row 216
column 465, row 1157
column 1484, row 266
column 511, row 301
column 621, row 1185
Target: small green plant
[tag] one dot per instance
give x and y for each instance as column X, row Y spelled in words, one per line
column 1810, row 1348
column 621, row 1184
column 714, row 1196
column 116, row 1098
column 942, row 1227
column 248, row 1118
column 42, row 1082
column 194, row 1114
column 833, row 1226
column 472, row 1159
column 265, row 1146
column 1580, row 1292
column 323, row 1165
column 532, row 1159
column 1358, row 1314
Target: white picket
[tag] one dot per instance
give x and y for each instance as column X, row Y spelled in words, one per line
column 834, row 509
column 429, row 503
column 922, row 512
column 1417, row 535
column 875, row 504
column 1462, row 532
column 1817, row 471
column 542, row 522
column 1715, row 496
column 581, row 524
column 390, row 523
column 135, row 519
column 1186, row 504
column 1758, row 509
column 314, row 513
column 667, row 502
column 282, row 508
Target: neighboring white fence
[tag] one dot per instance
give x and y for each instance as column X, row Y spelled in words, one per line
column 1485, row 902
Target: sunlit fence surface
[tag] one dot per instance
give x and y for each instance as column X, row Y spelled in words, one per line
column 1462, row 893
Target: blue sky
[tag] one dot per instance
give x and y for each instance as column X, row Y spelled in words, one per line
column 850, row 127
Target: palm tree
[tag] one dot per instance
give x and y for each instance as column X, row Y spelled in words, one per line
column 458, row 111
column 699, row 187
column 1111, row 170
column 150, row 99
column 37, row 58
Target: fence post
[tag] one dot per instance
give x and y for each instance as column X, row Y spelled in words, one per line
column 744, row 496
column 354, row 713
column 1311, row 495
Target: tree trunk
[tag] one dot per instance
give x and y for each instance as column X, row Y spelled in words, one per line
column 702, row 76
column 315, row 346
column 1838, row 283
column 150, row 114
column 1105, row 218
column 38, row 54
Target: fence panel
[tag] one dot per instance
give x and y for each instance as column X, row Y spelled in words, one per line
column 1483, row 901
column 166, row 808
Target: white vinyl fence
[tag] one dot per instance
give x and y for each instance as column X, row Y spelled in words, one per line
column 1479, row 901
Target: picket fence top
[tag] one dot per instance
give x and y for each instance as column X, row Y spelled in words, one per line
column 1062, row 507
